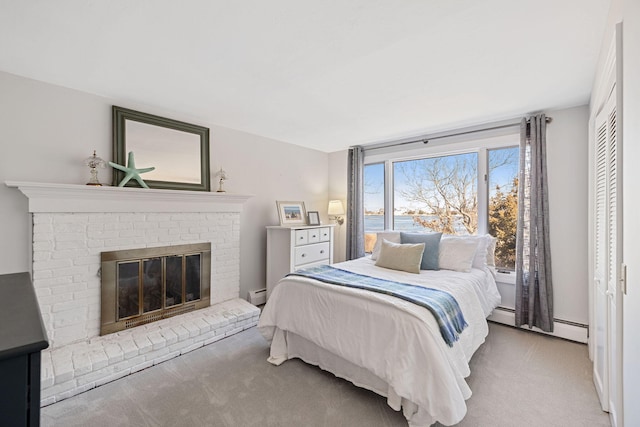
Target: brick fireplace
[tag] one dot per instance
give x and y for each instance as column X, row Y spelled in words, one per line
column 141, row 286
column 73, row 225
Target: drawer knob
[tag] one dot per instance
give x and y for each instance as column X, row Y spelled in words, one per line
column 303, row 255
column 322, row 251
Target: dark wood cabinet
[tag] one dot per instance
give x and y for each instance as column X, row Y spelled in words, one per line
column 22, row 338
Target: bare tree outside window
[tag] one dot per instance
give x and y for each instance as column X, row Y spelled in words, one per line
column 441, row 194
column 445, row 188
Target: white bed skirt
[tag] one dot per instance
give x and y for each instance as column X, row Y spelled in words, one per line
column 287, row 345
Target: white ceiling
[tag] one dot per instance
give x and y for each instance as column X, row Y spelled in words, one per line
column 320, row 74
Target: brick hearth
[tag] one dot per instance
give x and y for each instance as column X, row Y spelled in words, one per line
column 73, row 224
column 76, row 368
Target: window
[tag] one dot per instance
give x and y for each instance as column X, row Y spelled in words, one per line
column 472, row 190
column 503, row 204
column 373, row 203
column 437, row 193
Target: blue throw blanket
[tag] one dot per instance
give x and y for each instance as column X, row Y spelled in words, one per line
column 441, row 304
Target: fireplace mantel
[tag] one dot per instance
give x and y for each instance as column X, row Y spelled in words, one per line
column 73, row 225
column 44, row 197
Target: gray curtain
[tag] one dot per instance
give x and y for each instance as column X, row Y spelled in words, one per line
column 355, row 204
column 534, row 291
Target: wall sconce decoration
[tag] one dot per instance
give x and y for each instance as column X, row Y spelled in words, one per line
column 94, row 162
column 336, row 210
column 223, row 177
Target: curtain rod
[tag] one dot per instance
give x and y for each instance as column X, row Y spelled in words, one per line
column 448, row 134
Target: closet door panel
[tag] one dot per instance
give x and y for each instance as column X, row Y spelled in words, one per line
column 600, row 362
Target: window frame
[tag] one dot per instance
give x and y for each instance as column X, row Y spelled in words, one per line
column 476, row 143
column 502, row 276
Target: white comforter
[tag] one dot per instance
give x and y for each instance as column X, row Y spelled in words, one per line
column 396, row 340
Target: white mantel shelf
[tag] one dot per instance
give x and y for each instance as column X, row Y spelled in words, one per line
column 44, row 197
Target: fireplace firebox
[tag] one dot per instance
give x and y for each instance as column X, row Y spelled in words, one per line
column 140, row 286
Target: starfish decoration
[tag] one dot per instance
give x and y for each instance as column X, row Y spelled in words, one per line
column 131, row 171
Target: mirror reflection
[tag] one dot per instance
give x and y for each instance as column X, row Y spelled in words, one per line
column 156, row 146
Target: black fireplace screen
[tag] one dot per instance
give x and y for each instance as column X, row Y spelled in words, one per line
column 178, row 275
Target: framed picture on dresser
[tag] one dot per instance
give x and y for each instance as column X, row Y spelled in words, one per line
column 291, row 213
column 314, row 218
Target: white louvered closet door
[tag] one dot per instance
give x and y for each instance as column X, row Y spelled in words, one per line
column 605, row 235
column 600, row 356
column 614, row 264
column 607, row 258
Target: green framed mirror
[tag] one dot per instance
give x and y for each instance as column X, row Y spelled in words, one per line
column 178, row 151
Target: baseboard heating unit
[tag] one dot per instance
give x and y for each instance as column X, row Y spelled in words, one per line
column 566, row 329
column 258, row 297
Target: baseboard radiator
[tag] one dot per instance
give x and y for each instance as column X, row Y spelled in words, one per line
column 258, row 297
column 561, row 328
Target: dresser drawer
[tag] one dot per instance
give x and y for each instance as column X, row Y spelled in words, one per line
column 311, row 253
column 314, row 264
column 325, row 234
column 312, row 235
column 302, row 237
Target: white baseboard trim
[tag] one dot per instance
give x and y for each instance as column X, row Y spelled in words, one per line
column 561, row 328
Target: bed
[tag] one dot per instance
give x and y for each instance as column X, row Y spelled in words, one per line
column 381, row 342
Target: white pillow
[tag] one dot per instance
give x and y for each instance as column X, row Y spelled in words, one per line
column 457, row 254
column 481, row 257
column 491, row 250
column 391, row 236
column 405, row 257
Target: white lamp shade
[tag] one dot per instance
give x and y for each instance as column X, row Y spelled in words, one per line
column 335, row 207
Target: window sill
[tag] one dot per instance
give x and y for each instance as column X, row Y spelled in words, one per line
column 506, row 278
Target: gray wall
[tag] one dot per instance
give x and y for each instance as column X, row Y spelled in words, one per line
column 47, row 131
column 568, row 174
column 338, row 191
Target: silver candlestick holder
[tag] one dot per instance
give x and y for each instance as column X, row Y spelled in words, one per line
column 94, row 162
column 222, row 178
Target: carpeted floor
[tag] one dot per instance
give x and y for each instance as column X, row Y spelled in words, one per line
column 518, row 378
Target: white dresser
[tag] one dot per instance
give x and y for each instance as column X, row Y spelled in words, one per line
column 293, row 248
